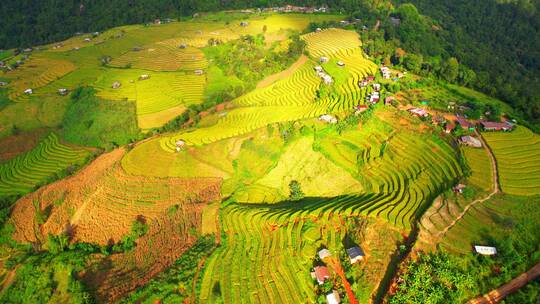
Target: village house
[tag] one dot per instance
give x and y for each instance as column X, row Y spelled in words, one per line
column 180, row 145
column 326, row 78
column 496, row 126
column 318, row 68
column 182, row 46
column 344, row 22
column 63, row 92
column 449, row 127
column 385, row 71
column 419, row 112
column 388, row 100
column 459, row 188
column 465, row 124
column 340, row 63
column 2, row 64
column 377, row 87
column 333, row 298
column 199, row 72
column 395, row 21
column 470, row 141
column 28, row 91
column 324, row 253
column 318, row 30
column 87, row 39
column 485, row 250
column 3, row 83
column 116, row 85
column 321, row 274
column 373, row 98
column 157, row 21
column 361, row 109
column 244, row 23
column 324, row 60
column 144, row 77
column 355, row 254
column 328, row 119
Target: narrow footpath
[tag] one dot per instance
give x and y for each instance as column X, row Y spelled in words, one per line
column 495, row 188
column 335, row 264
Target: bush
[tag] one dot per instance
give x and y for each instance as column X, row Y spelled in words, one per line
column 295, row 191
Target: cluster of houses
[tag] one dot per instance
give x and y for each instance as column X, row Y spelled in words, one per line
column 295, row 9
column 321, row 273
column 327, row 79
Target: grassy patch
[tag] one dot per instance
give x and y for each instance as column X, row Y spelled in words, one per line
column 90, row 121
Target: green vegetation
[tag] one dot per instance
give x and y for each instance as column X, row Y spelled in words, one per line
column 90, row 121
column 295, row 191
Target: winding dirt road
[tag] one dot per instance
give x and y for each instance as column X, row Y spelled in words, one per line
column 496, row 295
column 495, row 189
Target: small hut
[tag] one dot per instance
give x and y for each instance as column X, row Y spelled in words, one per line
column 63, row 92
column 144, row 77
column 324, row 253
column 340, row 63
column 180, row 145
column 199, row 72
column 116, row 85
column 244, row 23
column 182, row 46
column 28, row 91
column 356, row 254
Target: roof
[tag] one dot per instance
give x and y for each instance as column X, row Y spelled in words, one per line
column 354, row 252
column 321, row 273
column 495, row 125
column 485, row 250
column 323, row 253
column 332, row 298
column 471, row 141
column 464, row 123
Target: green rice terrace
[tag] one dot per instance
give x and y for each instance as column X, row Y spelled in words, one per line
column 257, row 156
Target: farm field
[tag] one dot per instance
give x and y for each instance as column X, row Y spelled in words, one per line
column 22, row 173
column 209, row 159
column 517, row 154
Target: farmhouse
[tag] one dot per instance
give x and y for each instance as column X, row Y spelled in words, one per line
column 333, row 298
column 328, row 119
column 318, row 30
column 496, row 126
column 318, row 68
column 373, row 98
column 459, row 188
column 465, row 124
column 470, row 141
column 324, row 253
column 449, row 127
column 385, row 71
column 361, row 108
column 144, row 77
column 377, row 86
column 340, row 63
column 28, row 91
column 180, row 144
column 355, row 254
column 324, row 59
column 62, row 92
column 321, row 274
column 116, row 85
column 419, row 112
column 199, row 72
column 485, row 250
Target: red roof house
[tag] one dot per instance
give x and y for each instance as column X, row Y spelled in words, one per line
column 321, row 274
column 496, row 126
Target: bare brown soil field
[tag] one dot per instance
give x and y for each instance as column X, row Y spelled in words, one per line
column 101, row 202
column 14, row 145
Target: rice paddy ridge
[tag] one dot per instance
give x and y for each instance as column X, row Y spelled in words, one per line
column 518, row 160
column 21, row 174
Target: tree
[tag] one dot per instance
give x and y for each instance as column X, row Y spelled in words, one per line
column 413, row 62
column 295, row 191
column 450, row 69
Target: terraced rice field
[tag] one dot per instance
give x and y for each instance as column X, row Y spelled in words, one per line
column 163, row 56
column 21, row 174
column 480, row 165
column 331, row 42
column 36, row 73
column 518, row 160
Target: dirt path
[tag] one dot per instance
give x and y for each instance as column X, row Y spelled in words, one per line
column 496, row 295
column 494, row 191
column 335, row 264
